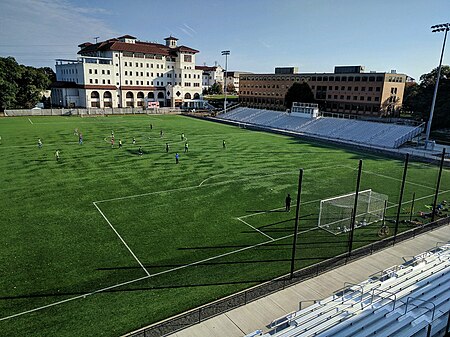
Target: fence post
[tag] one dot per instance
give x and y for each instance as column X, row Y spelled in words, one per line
column 355, row 207
column 397, row 220
column 297, row 211
column 437, row 184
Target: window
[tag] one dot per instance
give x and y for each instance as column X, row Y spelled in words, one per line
column 131, row 82
column 349, row 88
column 344, row 78
column 109, row 81
column 350, row 78
column 364, row 79
column 371, row 79
column 379, row 78
column 109, row 72
column 126, row 73
column 95, row 71
column 363, row 88
column 361, row 98
column 336, row 87
column 312, row 87
column 90, row 80
column 378, row 89
column 313, row 78
column 142, row 65
column 96, row 81
column 356, row 88
column 341, row 97
column 342, row 88
column 355, row 98
column 90, row 71
column 369, row 98
column 329, row 96
column 137, row 64
column 357, row 79
column 348, row 98
column 103, row 71
column 142, row 74
column 335, row 96
column 330, row 87
column 103, row 81
column 126, row 64
column 370, row 88
column 126, row 81
column 187, row 58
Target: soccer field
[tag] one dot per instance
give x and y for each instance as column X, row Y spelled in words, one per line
column 105, row 240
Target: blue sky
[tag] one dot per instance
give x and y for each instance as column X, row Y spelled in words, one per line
column 314, row 35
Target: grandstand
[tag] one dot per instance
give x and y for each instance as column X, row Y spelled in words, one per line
column 345, row 130
column 412, row 299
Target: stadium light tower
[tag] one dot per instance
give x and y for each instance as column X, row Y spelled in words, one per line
column 437, row 28
column 226, row 53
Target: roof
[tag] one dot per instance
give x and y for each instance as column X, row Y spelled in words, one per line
column 171, row 38
column 126, row 37
column 64, row 84
column 137, row 47
column 205, row 68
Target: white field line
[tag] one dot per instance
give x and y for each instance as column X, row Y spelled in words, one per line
column 30, row 121
column 396, row 179
column 256, row 229
column 277, row 209
column 153, row 275
column 123, row 241
column 212, row 184
column 417, row 199
column 189, row 187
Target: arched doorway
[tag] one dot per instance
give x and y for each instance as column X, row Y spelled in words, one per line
column 107, row 99
column 129, row 99
column 95, row 99
column 140, row 98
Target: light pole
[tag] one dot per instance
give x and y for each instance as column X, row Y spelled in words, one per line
column 437, row 28
column 226, row 53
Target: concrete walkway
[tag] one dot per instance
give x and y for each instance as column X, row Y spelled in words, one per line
column 258, row 314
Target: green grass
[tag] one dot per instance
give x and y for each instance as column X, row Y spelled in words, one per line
column 180, row 221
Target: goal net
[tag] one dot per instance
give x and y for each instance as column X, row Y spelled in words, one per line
column 335, row 214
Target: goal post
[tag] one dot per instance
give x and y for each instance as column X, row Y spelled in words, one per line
column 335, row 214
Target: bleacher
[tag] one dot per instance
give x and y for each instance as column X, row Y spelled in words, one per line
column 346, row 130
column 412, row 299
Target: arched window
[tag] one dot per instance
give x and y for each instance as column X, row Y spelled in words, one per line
column 140, row 94
column 151, row 95
column 160, row 95
column 196, row 96
column 187, row 96
column 95, row 94
column 107, row 94
column 130, row 94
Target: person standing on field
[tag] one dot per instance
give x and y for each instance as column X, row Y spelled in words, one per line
column 57, row 155
column 167, row 147
column 177, row 156
column 80, row 138
column 288, row 203
column 224, row 144
column 186, row 147
column 39, row 143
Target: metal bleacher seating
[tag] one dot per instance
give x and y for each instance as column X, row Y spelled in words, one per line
column 412, row 299
column 347, row 130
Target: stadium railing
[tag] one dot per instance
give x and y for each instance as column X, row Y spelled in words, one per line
column 195, row 316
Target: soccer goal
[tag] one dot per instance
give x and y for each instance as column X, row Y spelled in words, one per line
column 335, row 214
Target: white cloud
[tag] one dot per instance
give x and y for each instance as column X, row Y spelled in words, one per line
column 34, row 31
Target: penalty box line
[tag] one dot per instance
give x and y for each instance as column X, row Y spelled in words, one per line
column 83, row 296
column 121, row 239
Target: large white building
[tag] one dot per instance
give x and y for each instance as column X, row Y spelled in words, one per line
column 126, row 72
column 211, row 75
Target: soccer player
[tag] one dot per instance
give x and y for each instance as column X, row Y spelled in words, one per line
column 182, row 136
column 151, row 126
column 39, row 143
column 186, row 147
column 57, row 155
column 161, row 133
column 134, row 140
column 112, row 141
column 167, row 147
column 75, row 132
column 120, row 143
column 80, row 139
column 288, row 203
column 112, row 134
column 177, row 156
column 224, row 144
column 140, row 151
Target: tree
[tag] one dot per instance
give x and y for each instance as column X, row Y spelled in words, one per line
column 299, row 92
column 216, row 89
column 22, row 86
column 231, row 87
column 418, row 98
